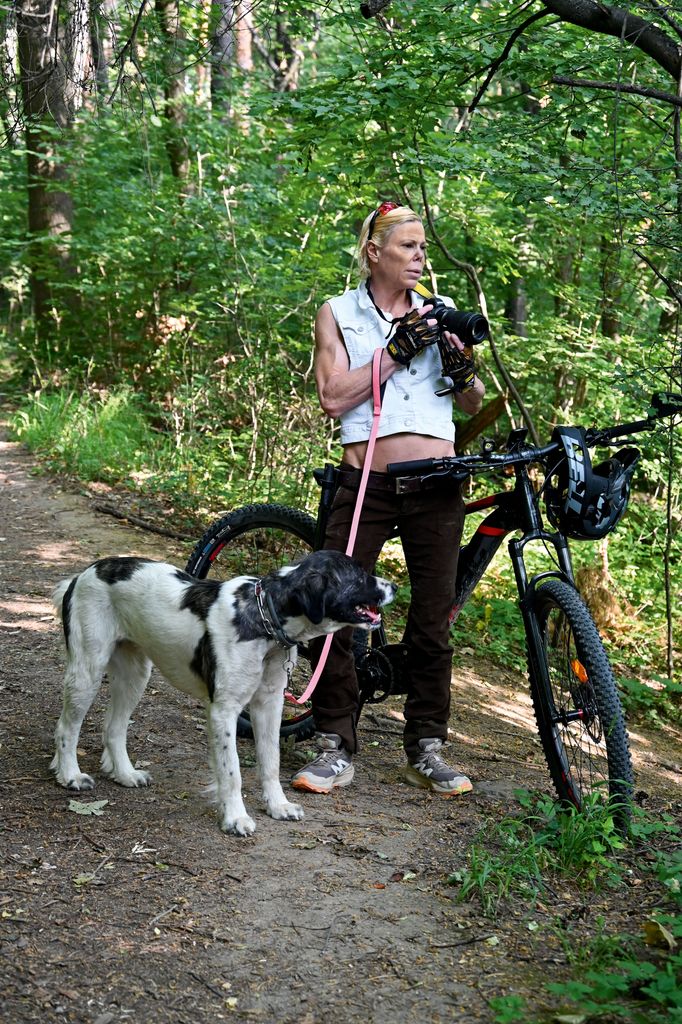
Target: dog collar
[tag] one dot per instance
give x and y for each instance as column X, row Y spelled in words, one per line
column 273, row 627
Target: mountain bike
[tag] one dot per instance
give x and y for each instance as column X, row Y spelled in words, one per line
column 575, row 699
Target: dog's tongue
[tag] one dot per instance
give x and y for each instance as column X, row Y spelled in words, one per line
column 373, row 614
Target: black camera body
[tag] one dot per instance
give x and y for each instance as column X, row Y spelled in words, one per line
column 470, row 328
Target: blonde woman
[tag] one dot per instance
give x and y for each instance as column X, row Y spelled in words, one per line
column 415, row 423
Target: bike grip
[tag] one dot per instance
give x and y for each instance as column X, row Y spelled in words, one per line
column 413, row 468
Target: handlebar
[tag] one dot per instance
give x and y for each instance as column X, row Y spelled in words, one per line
column 459, row 467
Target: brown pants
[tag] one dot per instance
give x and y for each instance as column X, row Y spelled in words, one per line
column 430, row 524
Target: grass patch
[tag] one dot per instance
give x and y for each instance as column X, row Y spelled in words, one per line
column 111, row 436
column 96, row 437
column 514, row 857
column 634, row 979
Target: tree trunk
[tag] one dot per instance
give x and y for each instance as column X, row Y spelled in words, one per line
column 232, row 47
column 102, row 22
column 11, row 113
column 516, row 308
column 77, row 54
column 176, row 142
column 44, row 105
column 611, row 288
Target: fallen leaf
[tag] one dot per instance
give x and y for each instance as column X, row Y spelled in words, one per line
column 92, row 807
column 655, row 934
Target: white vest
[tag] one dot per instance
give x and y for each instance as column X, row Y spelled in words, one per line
column 410, row 405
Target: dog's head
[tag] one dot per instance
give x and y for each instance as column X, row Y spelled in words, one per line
column 331, row 591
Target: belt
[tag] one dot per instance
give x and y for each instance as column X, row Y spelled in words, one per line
column 349, row 477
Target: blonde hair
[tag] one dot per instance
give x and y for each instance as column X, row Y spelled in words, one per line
column 383, row 225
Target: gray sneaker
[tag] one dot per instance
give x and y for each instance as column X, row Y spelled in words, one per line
column 332, row 767
column 428, row 770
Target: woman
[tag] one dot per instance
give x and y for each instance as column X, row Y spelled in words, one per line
column 415, row 423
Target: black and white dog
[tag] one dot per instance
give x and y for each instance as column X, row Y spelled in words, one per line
column 225, row 643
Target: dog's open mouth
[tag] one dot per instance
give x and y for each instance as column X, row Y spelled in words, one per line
column 368, row 614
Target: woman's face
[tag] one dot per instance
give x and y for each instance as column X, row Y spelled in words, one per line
column 399, row 263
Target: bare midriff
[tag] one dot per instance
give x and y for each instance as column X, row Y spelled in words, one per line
column 397, row 448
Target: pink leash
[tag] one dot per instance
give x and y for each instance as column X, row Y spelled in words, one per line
column 376, row 394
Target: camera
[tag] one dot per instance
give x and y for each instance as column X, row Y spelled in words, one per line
column 470, row 328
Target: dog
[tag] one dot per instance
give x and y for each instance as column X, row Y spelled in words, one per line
column 225, row 643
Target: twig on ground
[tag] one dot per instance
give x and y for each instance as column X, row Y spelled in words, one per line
column 142, row 524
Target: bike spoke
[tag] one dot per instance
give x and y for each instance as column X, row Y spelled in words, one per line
column 577, row 726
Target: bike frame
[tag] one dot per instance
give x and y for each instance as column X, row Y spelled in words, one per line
column 511, row 511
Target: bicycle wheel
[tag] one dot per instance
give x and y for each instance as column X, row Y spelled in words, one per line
column 253, row 541
column 577, row 708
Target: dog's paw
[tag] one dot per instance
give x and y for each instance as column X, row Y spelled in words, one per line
column 286, row 812
column 79, row 783
column 134, row 779
column 244, row 826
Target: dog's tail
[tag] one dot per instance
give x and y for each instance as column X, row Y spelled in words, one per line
column 59, row 593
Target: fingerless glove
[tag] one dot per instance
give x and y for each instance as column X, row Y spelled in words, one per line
column 412, row 335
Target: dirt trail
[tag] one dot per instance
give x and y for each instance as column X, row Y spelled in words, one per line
column 148, row 913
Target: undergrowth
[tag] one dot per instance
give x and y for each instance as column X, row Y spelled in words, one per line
column 111, row 436
column 613, row 978
column 517, row 855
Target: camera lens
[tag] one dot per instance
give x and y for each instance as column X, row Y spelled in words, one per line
column 470, row 328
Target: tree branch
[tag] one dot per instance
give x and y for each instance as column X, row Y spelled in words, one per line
column 614, row 21
column 371, row 8
column 492, row 68
column 674, row 292
column 129, row 49
column 586, row 83
column 470, row 272
column 675, row 25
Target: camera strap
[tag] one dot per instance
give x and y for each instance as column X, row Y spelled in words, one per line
column 377, row 396
column 424, row 292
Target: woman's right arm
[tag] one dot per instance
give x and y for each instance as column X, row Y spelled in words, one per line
column 340, row 388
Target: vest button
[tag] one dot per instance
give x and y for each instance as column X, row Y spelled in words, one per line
column 406, row 397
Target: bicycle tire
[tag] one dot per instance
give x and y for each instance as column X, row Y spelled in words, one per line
column 253, row 541
column 577, row 708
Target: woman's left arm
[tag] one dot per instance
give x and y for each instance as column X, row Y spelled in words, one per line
column 471, row 401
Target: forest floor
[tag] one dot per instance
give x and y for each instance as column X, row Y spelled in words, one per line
column 147, row 913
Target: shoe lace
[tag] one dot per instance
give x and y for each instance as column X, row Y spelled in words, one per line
column 327, row 757
column 433, row 761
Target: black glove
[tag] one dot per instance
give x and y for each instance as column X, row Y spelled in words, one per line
column 412, row 335
column 458, row 366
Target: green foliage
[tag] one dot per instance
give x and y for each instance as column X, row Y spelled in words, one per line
column 107, row 436
column 547, row 840
column 614, row 977
column 655, row 702
column 95, row 437
column 632, row 989
column 509, row 1009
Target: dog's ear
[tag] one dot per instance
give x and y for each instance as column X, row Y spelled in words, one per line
column 311, row 597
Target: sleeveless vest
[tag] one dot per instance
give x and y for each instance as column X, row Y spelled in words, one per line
column 409, row 405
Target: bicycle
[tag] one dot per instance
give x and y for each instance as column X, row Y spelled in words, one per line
column 577, row 709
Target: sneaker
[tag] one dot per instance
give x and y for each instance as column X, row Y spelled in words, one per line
column 332, row 767
column 429, row 771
